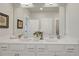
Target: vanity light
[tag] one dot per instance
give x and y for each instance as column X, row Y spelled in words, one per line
column 26, row 4
column 51, row 4
column 41, row 9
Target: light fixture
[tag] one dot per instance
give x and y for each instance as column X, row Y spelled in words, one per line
column 26, row 4
column 51, row 4
column 41, row 9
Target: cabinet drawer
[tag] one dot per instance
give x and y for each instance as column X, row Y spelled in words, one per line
column 41, row 48
column 30, row 48
column 71, row 48
column 16, row 47
column 4, row 47
column 55, row 47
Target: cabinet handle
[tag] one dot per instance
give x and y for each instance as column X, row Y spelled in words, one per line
column 70, row 49
column 30, row 48
column 3, row 47
column 41, row 48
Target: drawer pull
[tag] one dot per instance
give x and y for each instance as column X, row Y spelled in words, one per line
column 70, row 49
column 3, row 47
column 41, row 48
column 17, row 54
column 30, row 48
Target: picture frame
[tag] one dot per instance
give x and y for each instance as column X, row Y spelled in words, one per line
column 4, row 20
column 19, row 24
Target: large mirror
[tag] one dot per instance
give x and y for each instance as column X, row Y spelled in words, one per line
column 40, row 20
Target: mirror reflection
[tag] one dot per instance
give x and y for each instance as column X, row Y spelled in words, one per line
column 40, row 20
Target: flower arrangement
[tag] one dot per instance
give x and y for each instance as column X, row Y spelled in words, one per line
column 38, row 34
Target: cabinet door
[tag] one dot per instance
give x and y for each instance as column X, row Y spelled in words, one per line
column 55, row 49
column 71, row 49
column 42, row 49
column 4, row 47
column 30, row 49
column 16, row 47
column 59, row 53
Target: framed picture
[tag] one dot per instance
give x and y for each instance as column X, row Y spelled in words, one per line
column 19, row 24
column 4, row 20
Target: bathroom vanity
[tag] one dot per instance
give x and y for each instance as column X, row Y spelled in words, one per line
column 57, row 22
column 20, row 47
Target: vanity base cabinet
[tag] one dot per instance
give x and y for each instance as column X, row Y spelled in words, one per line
column 71, row 50
column 42, row 50
column 9, row 49
column 29, row 50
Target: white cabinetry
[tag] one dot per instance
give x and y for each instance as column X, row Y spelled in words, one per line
column 4, row 49
column 71, row 49
column 11, row 49
column 56, row 49
column 16, row 47
column 42, row 50
column 30, row 49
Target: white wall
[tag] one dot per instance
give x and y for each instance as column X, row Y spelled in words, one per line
column 72, row 20
column 7, row 9
column 19, row 13
column 47, row 21
column 15, row 12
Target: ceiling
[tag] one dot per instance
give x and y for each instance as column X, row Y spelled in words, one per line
column 45, row 9
column 30, row 5
column 35, row 7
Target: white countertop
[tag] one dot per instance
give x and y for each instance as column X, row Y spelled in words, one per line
column 65, row 40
